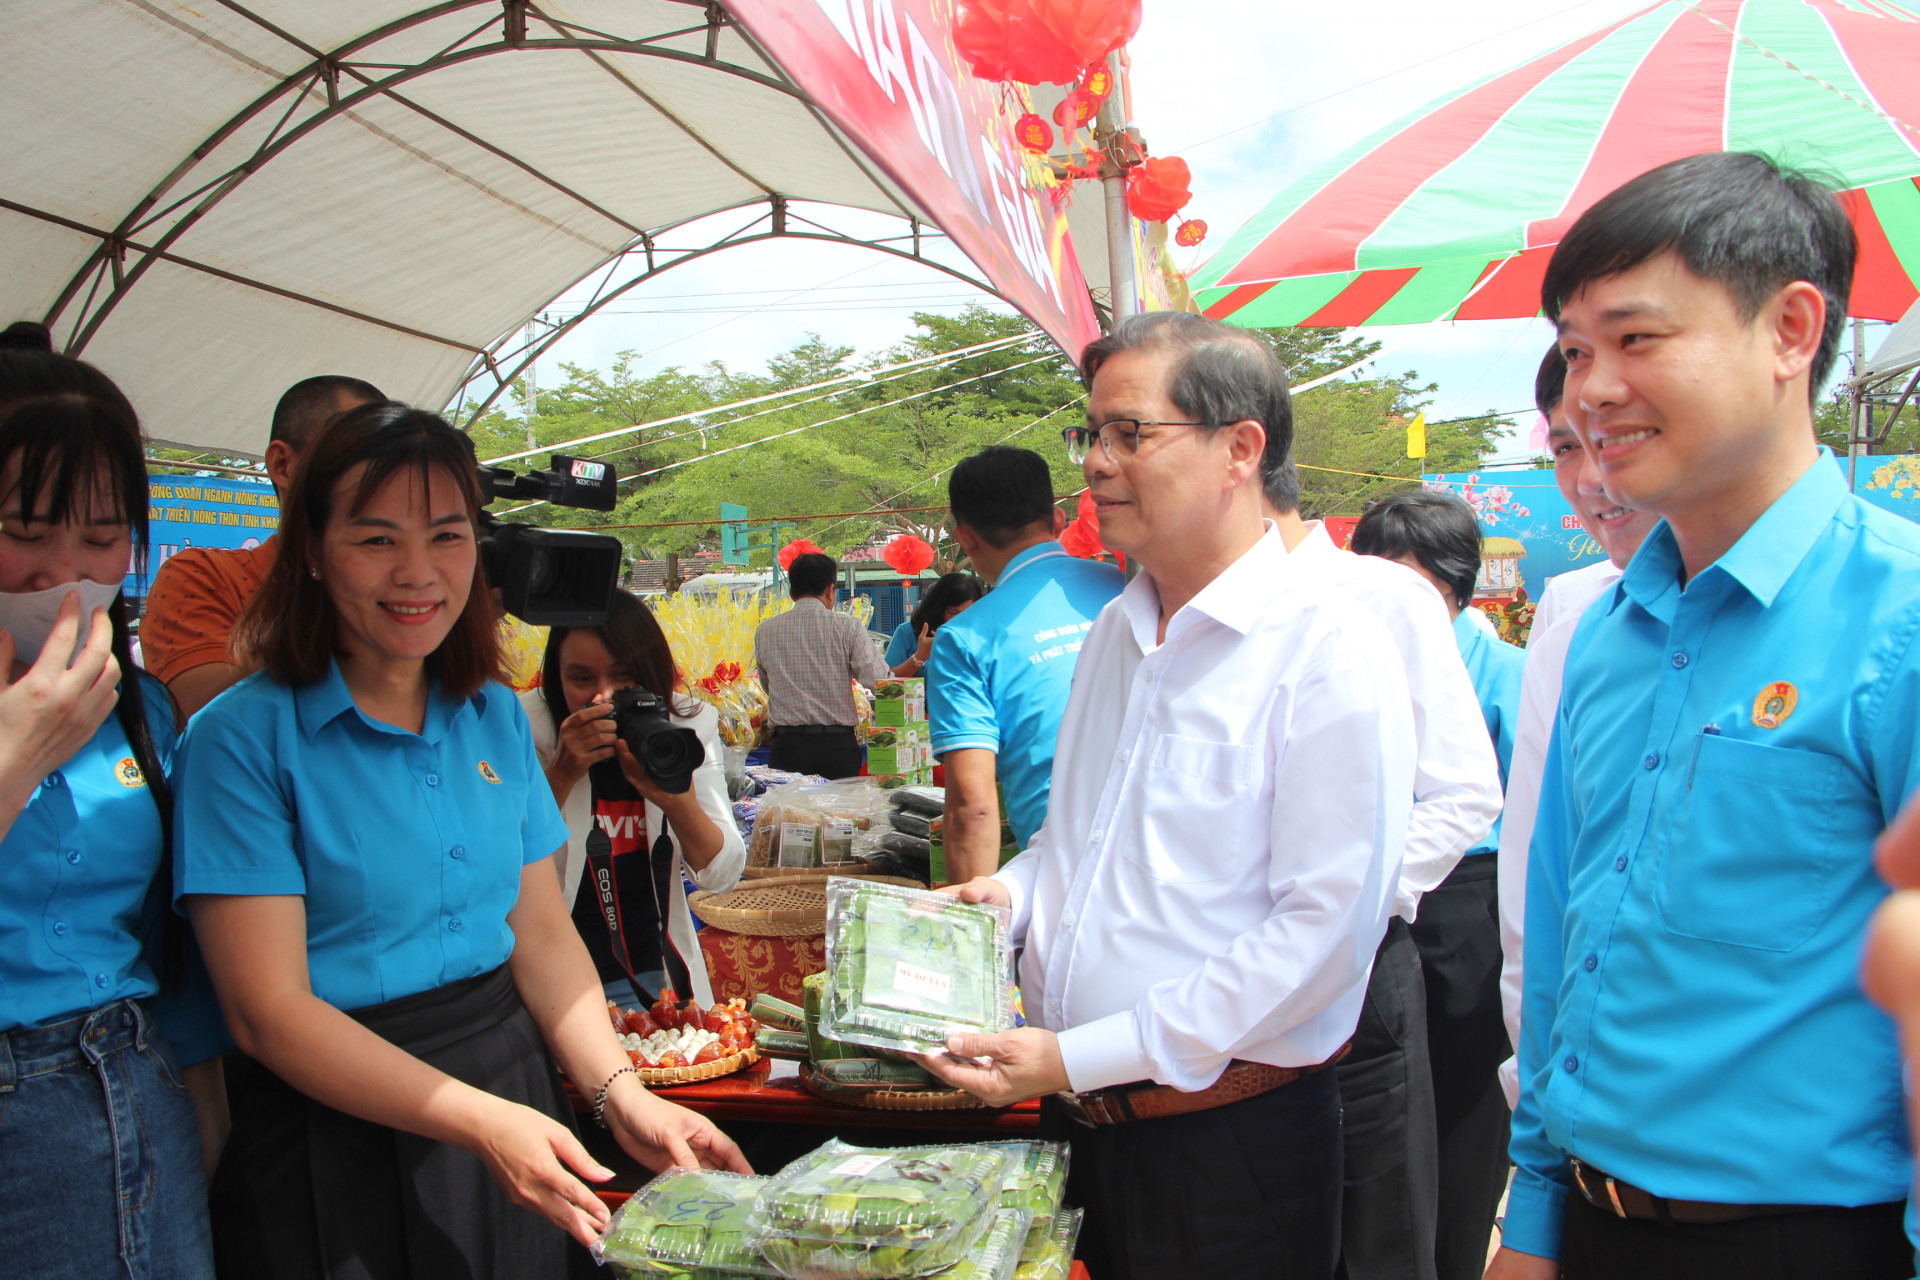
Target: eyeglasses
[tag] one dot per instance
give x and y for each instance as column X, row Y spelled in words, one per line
column 1119, row 438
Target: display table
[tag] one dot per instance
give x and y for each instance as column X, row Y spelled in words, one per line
column 771, row 1092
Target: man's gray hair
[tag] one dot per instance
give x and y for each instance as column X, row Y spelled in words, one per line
column 1221, row 375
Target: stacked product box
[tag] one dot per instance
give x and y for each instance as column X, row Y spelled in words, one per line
column 900, row 744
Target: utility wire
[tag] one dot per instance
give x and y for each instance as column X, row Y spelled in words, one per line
column 939, row 359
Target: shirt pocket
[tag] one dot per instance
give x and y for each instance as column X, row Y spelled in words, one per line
column 1752, row 859
column 1196, row 810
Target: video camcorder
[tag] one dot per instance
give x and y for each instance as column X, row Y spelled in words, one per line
column 552, row 577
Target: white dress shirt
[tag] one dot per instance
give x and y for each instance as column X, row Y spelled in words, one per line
column 1224, row 834
column 1456, row 775
column 1554, row 620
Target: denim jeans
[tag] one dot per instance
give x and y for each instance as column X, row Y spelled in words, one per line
column 99, row 1154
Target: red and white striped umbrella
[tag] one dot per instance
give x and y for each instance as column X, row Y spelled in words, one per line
column 1454, row 211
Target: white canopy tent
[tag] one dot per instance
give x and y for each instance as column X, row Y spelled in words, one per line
column 1899, row 351
column 211, row 202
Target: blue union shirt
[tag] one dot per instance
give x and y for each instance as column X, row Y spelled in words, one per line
column 408, row 847
column 1000, row 673
column 1697, row 898
column 1494, row 666
column 79, row 922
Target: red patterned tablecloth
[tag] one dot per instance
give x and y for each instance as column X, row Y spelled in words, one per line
column 742, row 965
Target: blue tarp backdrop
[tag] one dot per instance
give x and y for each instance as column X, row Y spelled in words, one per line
column 1526, row 505
column 193, row 511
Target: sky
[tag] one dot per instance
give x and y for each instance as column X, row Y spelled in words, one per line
column 1251, row 93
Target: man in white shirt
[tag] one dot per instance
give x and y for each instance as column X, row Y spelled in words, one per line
column 1230, row 800
column 1619, row 531
column 1391, row 1207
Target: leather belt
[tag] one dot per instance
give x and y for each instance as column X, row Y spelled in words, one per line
column 1241, row 1080
column 1624, row 1200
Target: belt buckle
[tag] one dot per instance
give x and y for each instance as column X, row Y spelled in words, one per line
column 1077, row 1109
column 1580, row 1171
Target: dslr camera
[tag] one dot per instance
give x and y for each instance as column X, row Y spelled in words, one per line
column 551, row 577
column 669, row 755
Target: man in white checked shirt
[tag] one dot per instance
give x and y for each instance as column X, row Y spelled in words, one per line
column 1230, row 801
column 808, row 659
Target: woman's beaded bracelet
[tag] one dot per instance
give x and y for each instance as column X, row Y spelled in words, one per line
column 600, row 1098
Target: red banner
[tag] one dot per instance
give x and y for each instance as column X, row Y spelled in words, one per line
column 888, row 75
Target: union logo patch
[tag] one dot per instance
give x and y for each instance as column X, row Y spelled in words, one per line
column 1774, row 704
column 128, row 772
column 486, row 771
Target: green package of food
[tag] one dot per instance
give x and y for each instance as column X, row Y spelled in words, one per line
column 1037, row 1182
column 819, row 1048
column 1053, row 1258
column 685, row 1220
column 843, row 1212
column 998, row 1253
column 907, row 968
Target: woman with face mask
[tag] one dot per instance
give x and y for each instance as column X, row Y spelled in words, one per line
column 365, row 837
column 100, row 1155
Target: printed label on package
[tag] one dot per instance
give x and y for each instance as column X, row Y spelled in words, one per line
column 860, row 1166
column 796, row 843
column 911, row 979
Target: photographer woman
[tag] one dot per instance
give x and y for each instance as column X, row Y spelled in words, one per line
column 364, row 835
column 596, row 780
column 948, row 598
column 100, row 1157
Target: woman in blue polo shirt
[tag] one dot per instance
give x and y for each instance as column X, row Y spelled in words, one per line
column 100, row 1156
column 363, row 832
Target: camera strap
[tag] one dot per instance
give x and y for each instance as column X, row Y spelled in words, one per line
column 663, row 867
column 607, row 893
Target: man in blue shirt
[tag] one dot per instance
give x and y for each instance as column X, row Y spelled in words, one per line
column 1705, row 1090
column 1457, row 930
column 998, row 679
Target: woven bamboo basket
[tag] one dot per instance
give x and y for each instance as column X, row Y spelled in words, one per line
column 703, row 1071
column 781, row 907
column 893, row 1099
column 788, row 873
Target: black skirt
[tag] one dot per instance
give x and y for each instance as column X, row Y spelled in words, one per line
column 305, row 1192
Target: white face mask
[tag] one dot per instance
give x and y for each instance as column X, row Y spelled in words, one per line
column 28, row 616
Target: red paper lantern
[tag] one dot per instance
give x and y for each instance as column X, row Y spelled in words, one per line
column 1082, row 535
column 907, row 555
column 1079, row 107
column 798, row 547
column 1190, row 233
column 1041, row 41
column 1157, row 188
column 1097, row 82
column 1033, row 133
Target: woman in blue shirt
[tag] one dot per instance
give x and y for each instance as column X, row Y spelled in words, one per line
column 365, row 834
column 945, row 600
column 100, row 1156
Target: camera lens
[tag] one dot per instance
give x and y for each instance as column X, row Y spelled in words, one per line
column 543, row 572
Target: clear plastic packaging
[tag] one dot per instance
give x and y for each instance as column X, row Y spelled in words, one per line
column 1053, row 1258
column 907, row 968
column 813, row 824
column 686, row 1220
column 1036, row 1182
column 998, row 1253
column 849, row 1213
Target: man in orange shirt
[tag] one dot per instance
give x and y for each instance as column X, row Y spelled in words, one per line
column 199, row 592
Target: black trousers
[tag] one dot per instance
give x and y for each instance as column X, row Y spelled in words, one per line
column 1387, row 1220
column 1249, row 1191
column 832, row 751
column 1825, row 1244
column 1458, row 934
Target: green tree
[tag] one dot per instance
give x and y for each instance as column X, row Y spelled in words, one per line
column 1830, row 424
column 1350, row 435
